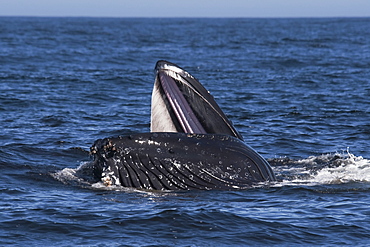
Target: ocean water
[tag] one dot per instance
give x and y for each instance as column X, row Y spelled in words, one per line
column 298, row 91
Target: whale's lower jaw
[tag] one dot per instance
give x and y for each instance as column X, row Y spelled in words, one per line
column 179, row 161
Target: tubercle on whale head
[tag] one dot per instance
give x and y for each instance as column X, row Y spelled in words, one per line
column 103, row 147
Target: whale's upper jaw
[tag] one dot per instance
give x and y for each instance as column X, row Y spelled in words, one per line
column 181, row 104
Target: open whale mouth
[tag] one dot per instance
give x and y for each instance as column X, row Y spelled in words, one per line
column 181, row 104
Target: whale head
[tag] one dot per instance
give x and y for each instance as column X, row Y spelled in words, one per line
column 192, row 144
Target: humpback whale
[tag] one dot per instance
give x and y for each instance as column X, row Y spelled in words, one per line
column 191, row 143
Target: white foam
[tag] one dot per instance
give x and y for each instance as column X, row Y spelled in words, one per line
column 82, row 176
column 344, row 169
column 70, row 176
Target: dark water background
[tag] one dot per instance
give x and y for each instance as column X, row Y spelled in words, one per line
column 298, row 90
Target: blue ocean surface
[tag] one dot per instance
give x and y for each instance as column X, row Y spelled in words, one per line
column 298, row 90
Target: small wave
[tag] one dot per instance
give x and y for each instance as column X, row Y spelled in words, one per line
column 81, row 176
column 325, row 169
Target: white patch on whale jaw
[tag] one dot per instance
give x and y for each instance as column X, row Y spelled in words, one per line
column 160, row 119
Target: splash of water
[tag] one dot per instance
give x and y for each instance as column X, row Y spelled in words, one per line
column 81, row 176
column 323, row 169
